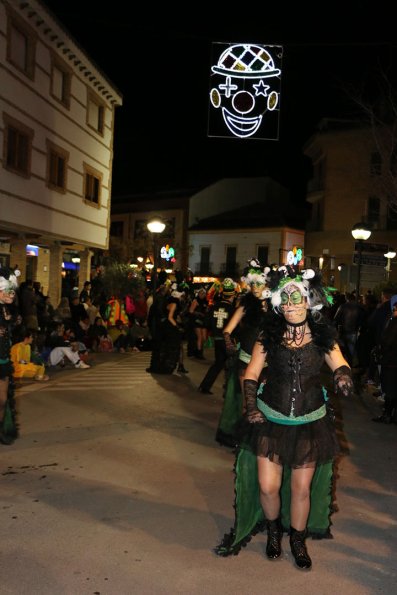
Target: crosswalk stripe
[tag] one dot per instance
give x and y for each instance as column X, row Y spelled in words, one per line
column 128, row 373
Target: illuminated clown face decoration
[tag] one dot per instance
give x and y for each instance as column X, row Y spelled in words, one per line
column 245, row 88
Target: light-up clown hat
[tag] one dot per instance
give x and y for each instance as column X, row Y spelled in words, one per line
column 228, row 287
column 8, row 279
column 308, row 282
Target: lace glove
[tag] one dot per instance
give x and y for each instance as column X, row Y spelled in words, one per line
column 231, row 348
column 343, row 382
column 253, row 414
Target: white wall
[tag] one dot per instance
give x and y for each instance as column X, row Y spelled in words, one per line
column 245, row 240
column 28, row 202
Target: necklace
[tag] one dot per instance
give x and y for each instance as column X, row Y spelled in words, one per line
column 295, row 332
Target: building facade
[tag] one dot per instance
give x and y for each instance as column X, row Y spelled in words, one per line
column 346, row 188
column 130, row 238
column 237, row 219
column 57, row 112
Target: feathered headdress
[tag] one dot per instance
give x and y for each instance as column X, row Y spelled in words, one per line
column 253, row 273
column 309, row 283
column 174, row 291
column 8, row 278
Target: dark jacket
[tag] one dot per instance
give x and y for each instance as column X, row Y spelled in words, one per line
column 388, row 344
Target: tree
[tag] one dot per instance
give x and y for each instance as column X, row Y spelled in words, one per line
column 119, row 280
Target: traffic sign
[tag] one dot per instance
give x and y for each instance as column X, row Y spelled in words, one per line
column 375, row 260
column 371, row 247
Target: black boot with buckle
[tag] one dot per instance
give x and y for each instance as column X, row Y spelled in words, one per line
column 298, row 549
column 274, row 536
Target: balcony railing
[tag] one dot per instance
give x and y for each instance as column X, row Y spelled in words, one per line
column 203, row 269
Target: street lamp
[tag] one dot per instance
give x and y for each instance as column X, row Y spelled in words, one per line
column 360, row 232
column 155, row 226
column 389, row 255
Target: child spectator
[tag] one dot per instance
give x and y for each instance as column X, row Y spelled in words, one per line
column 21, row 358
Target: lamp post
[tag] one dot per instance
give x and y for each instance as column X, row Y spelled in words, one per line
column 360, row 232
column 389, row 255
column 155, row 226
column 342, row 276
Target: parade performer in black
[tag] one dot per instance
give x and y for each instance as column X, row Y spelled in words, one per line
column 171, row 333
column 219, row 314
column 288, row 444
column 8, row 319
column 241, row 333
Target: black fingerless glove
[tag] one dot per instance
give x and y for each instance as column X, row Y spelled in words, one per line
column 253, row 413
column 343, row 382
column 230, row 345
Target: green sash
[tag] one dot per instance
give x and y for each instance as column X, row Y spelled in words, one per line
column 232, row 409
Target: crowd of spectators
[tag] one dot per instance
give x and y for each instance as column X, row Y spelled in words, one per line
column 92, row 322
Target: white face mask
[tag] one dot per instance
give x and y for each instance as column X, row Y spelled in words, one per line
column 7, row 293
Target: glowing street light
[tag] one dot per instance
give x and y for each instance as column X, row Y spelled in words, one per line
column 360, row 232
column 155, row 226
column 389, row 255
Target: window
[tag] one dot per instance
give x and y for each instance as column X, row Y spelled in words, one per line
column 374, row 211
column 391, row 220
column 95, row 113
column 117, row 229
column 231, row 265
column 92, row 185
column 205, row 260
column 262, row 254
column 316, row 217
column 60, row 82
column 57, row 160
column 17, row 146
column 21, row 44
column 376, row 164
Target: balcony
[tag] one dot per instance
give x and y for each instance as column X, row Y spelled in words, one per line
column 203, row 269
column 230, row 269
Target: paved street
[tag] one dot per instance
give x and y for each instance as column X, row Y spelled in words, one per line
column 117, row 487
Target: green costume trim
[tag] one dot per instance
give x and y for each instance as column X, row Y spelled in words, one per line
column 244, row 356
column 4, row 361
column 232, row 409
column 249, row 517
column 280, row 418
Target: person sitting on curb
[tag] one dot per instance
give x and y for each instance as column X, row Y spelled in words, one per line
column 61, row 349
column 21, row 358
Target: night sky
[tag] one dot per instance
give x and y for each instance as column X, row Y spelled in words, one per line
column 160, row 61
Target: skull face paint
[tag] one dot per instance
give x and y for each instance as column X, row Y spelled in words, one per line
column 245, row 88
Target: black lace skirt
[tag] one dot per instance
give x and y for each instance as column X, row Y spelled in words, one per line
column 6, row 370
column 293, row 445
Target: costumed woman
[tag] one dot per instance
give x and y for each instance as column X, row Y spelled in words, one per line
column 198, row 312
column 240, row 334
column 171, row 333
column 287, row 428
column 8, row 319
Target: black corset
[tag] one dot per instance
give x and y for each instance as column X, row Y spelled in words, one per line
column 293, row 385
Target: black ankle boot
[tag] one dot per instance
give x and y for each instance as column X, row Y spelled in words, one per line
column 4, row 438
column 298, row 549
column 274, row 536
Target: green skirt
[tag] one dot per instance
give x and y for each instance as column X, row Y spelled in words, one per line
column 232, row 409
column 249, row 517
